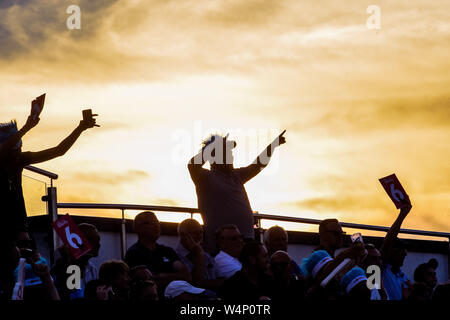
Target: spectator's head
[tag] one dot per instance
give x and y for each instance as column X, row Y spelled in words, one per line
column 373, row 256
column 140, row 273
column 115, row 273
column 275, row 239
column 192, row 228
column 315, row 263
column 398, row 254
column 92, row 236
column 331, row 234
column 254, row 257
column 218, row 151
column 354, row 284
column 280, row 263
column 144, row 291
column 229, row 240
column 181, row 290
column 426, row 273
column 147, row 226
column 6, row 131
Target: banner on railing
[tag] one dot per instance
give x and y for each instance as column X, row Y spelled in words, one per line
column 72, row 236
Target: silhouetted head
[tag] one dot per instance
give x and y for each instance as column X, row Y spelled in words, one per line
column 140, row 273
column 92, row 236
column 147, row 226
column 280, row 263
column 426, row 273
column 373, row 256
column 275, row 239
column 218, row 151
column 331, row 234
column 115, row 273
column 229, row 239
column 6, row 131
column 254, row 257
column 190, row 227
column 398, row 254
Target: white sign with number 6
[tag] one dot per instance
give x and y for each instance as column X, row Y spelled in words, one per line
column 71, row 236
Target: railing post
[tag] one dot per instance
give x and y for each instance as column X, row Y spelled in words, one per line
column 259, row 230
column 123, row 236
column 52, row 211
column 448, row 259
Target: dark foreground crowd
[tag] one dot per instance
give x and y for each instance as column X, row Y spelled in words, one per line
column 241, row 269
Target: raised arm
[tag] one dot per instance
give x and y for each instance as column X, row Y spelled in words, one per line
column 15, row 138
column 195, row 166
column 392, row 234
column 60, row 149
column 247, row 173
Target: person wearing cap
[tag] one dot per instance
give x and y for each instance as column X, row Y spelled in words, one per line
column 425, row 280
column 12, row 163
column 222, row 198
column 354, row 285
column 180, row 290
column 393, row 253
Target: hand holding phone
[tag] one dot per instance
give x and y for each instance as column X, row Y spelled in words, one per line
column 356, row 238
column 36, row 106
column 88, row 119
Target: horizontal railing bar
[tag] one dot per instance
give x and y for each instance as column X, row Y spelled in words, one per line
column 257, row 215
column 43, row 172
column 126, row 207
column 354, row 225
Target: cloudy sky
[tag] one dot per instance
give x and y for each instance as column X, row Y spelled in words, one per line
column 357, row 103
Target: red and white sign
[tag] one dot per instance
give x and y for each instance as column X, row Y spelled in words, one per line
column 72, row 236
column 395, row 190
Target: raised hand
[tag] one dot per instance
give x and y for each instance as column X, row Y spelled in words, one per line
column 279, row 140
column 406, row 207
column 89, row 123
column 31, row 122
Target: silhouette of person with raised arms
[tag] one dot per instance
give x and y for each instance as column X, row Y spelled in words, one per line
column 12, row 163
column 222, row 198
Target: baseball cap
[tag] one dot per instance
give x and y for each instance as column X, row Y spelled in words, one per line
column 315, row 262
column 177, row 287
column 352, row 278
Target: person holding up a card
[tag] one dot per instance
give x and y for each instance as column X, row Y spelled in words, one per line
column 393, row 252
column 13, row 160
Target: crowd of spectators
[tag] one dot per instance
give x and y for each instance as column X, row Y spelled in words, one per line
column 241, row 270
column 220, row 260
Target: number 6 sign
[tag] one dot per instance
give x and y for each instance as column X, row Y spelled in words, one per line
column 72, row 237
column 395, row 190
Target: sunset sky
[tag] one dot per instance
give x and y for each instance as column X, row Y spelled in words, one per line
column 358, row 104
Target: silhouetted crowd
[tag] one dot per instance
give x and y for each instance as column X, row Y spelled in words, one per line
column 219, row 260
column 240, row 269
